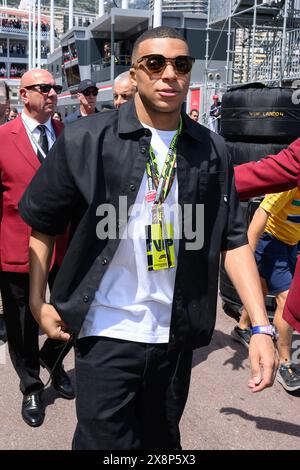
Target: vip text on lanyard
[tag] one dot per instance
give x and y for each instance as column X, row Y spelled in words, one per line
column 159, row 235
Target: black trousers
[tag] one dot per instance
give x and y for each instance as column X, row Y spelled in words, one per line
column 2, row 328
column 23, row 333
column 129, row 395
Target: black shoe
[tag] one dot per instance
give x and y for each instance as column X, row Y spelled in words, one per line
column 60, row 381
column 243, row 335
column 33, row 411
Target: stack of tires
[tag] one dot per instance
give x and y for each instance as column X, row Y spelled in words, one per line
column 256, row 121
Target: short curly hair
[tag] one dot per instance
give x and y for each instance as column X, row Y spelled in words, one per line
column 159, row 32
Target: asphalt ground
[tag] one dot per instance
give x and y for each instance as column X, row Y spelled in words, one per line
column 221, row 413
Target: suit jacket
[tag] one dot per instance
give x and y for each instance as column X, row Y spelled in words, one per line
column 273, row 174
column 18, row 165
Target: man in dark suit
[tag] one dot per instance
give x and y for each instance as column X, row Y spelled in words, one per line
column 25, row 142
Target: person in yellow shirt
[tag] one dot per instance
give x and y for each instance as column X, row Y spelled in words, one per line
column 273, row 235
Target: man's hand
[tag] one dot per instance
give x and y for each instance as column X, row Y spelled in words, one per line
column 263, row 361
column 50, row 322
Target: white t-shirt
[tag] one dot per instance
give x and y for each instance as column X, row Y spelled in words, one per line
column 132, row 303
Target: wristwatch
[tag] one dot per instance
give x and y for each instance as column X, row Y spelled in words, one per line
column 270, row 330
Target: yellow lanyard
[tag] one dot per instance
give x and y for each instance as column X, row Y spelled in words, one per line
column 163, row 183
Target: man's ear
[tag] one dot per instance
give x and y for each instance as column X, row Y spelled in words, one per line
column 132, row 73
column 23, row 94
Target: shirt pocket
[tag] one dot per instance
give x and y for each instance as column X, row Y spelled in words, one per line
column 211, row 187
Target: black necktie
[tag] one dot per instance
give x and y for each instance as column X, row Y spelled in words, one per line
column 43, row 142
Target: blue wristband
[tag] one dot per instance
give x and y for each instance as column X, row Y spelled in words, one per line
column 270, row 330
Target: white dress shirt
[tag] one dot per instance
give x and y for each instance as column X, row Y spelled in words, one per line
column 34, row 133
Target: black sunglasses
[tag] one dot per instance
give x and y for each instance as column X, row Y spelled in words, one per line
column 45, row 88
column 156, row 63
column 90, row 91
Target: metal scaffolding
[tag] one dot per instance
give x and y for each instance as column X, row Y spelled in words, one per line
column 263, row 39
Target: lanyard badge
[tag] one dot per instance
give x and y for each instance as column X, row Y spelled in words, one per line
column 159, row 235
column 160, row 247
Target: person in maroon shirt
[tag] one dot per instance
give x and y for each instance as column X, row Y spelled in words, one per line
column 275, row 173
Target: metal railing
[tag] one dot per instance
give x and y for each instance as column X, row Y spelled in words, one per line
column 272, row 68
column 21, row 31
column 105, row 62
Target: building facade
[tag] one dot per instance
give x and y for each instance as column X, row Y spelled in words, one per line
column 103, row 50
column 61, row 18
column 14, row 45
column 186, row 6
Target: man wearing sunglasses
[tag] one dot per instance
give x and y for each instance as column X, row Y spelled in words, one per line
column 25, row 142
column 87, row 95
column 140, row 295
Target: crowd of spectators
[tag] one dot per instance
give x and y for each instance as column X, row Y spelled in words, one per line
column 16, row 70
column 20, row 24
column 19, row 49
column 70, row 53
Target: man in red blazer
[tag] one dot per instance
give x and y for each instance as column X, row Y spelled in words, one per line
column 24, row 145
column 273, row 174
